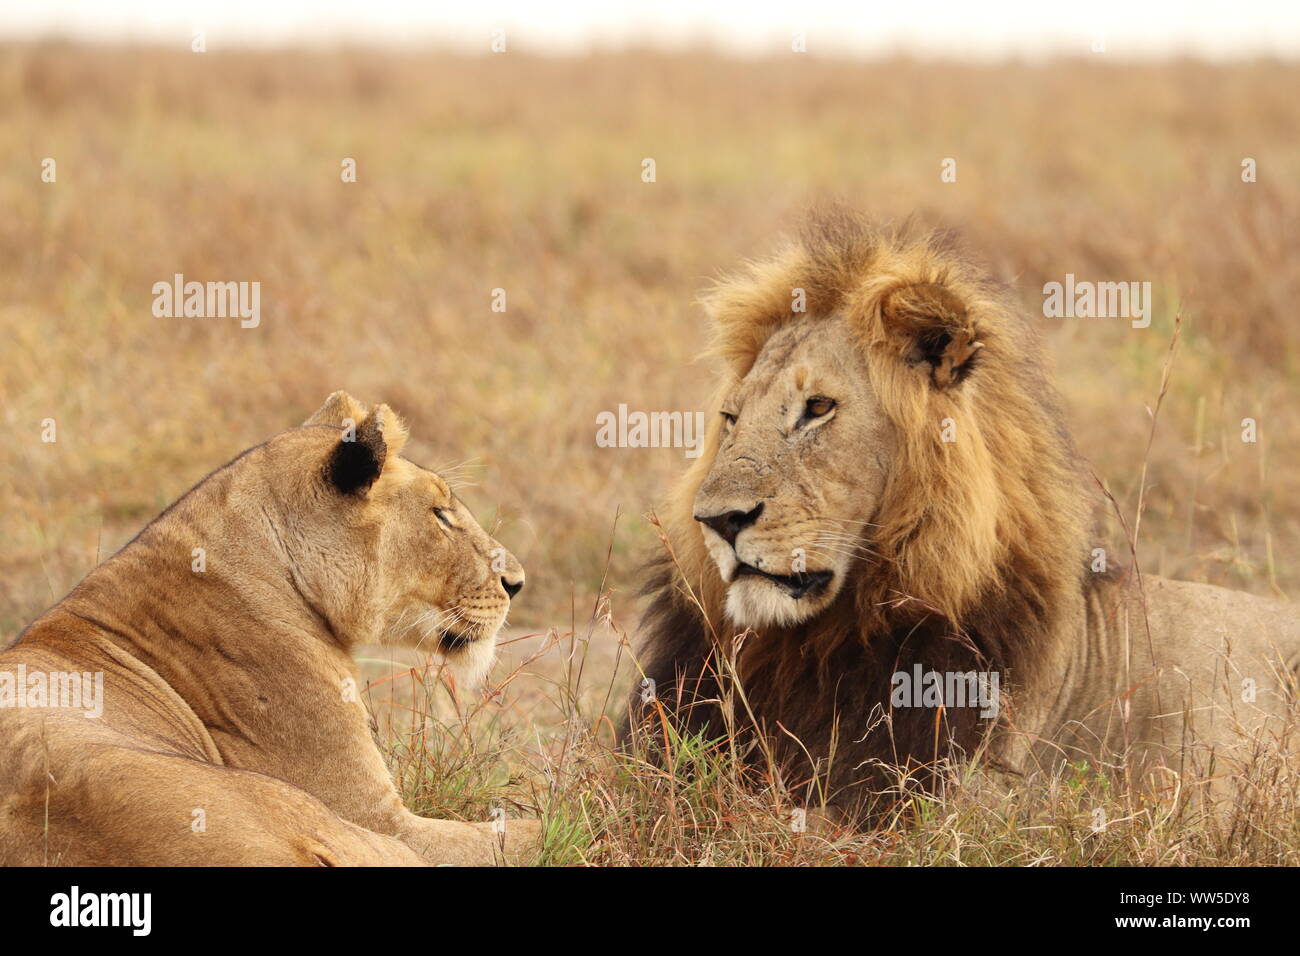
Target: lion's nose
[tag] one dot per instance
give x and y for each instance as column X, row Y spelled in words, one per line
column 728, row 524
column 512, row 587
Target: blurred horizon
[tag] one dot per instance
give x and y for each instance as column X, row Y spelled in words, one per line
column 945, row 29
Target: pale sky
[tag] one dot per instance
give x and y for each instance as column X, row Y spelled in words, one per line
column 1208, row 28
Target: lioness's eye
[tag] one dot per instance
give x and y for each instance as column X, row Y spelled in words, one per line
column 729, row 418
column 818, row 406
column 442, row 514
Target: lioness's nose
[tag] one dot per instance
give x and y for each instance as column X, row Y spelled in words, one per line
column 512, row 587
column 728, row 524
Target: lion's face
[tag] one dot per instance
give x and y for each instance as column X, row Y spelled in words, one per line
column 801, row 465
column 389, row 548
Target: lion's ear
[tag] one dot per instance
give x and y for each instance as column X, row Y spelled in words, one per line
column 339, row 410
column 358, row 459
column 934, row 329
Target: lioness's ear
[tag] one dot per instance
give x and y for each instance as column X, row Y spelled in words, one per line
column 934, row 329
column 340, row 410
column 358, row 459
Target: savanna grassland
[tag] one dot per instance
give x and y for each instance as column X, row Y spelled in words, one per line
column 524, row 174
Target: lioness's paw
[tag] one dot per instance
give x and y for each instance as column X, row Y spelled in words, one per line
column 516, row 842
column 452, row 843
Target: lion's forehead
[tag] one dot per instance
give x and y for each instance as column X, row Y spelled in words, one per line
column 805, row 355
column 404, row 478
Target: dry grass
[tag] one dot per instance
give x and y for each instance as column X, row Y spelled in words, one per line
column 522, row 173
column 540, row 742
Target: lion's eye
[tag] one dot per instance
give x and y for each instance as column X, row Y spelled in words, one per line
column 729, row 418
column 443, row 515
column 818, row 406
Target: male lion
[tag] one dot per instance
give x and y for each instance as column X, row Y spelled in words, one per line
column 229, row 696
column 883, row 557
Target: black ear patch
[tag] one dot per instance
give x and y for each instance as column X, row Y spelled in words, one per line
column 355, row 465
column 936, row 329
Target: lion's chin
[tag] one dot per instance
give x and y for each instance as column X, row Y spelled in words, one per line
column 471, row 661
column 758, row 602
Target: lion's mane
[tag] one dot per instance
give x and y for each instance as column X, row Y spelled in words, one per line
column 979, row 544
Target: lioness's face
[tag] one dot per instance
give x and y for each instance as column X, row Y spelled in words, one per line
column 800, row 469
column 448, row 584
column 389, row 549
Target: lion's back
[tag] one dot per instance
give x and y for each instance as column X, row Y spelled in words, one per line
column 1177, row 664
column 1201, row 625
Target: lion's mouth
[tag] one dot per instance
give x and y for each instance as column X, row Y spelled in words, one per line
column 806, row 584
column 452, row 641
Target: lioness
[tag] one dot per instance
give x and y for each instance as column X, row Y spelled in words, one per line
column 231, row 731
column 890, row 541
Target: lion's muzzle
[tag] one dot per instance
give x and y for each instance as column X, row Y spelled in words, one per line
column 799, row 585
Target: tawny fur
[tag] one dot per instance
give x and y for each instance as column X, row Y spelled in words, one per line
column 233, row 730
column 970, row 554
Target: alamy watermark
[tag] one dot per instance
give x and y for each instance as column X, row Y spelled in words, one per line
column 74, row 908
column 624, row 429
column 947, row 689
column 208, row 300
column 1083, row 299
column 69, row 690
